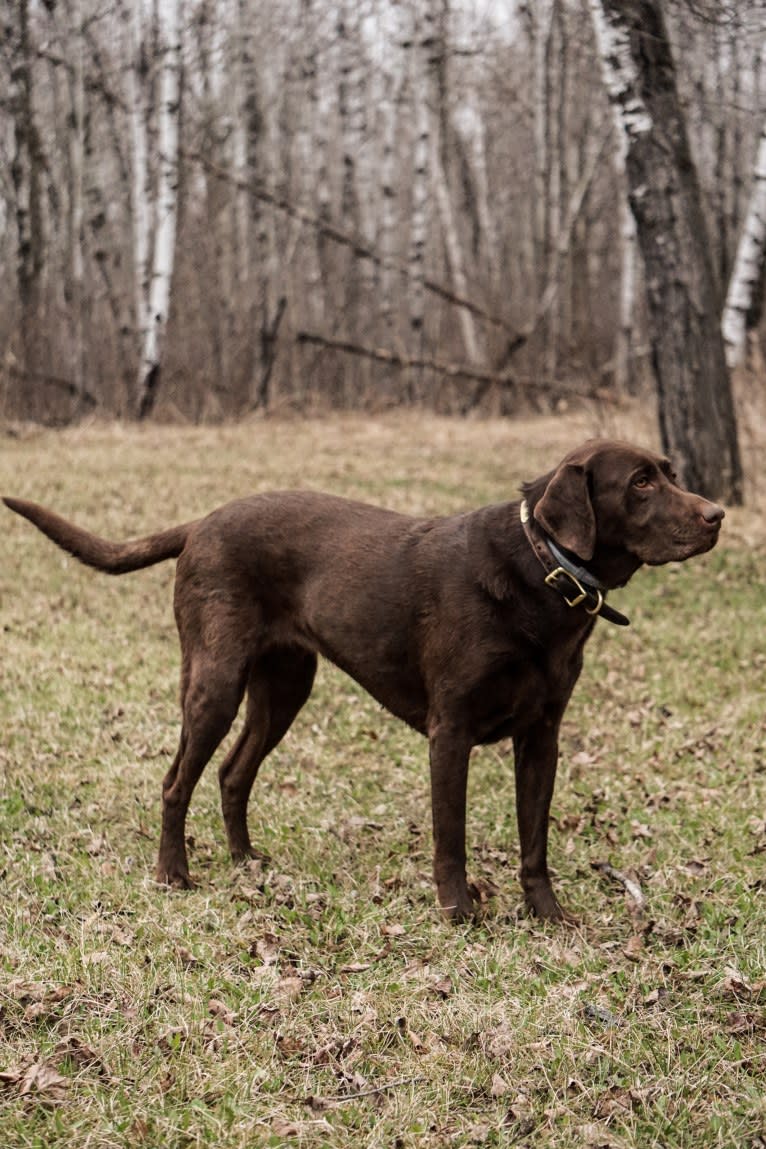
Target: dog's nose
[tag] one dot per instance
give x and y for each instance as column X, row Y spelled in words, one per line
column 712, row 513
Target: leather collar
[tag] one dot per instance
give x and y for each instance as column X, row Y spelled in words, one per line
column 576, row 585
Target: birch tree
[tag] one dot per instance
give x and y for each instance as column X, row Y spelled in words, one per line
column 75, row 43
column 420, row 79
column 628, row 245
column 422, row 185
column 154, row 261
column 696, row 410
column 441, row 139
column 747, row 274
column 27, row 175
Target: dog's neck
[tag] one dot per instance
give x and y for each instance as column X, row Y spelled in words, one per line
column 578, row 585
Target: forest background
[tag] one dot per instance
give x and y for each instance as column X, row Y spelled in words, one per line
column 210, row 207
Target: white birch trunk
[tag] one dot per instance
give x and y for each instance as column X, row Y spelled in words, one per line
column 242, row 62
column 306, row 168
column 540, row 15
column 421, row 83
column 553, row 147
column 454, row 253
column 471, row 130
column 140, row 190
column 389, row 209
column 76, row 207
column 628, row 238
column 748, row 264
column 157, row 294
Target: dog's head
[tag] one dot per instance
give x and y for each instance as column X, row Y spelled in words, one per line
column 609, row 496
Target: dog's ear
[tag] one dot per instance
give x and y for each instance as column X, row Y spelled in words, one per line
column 565, row 510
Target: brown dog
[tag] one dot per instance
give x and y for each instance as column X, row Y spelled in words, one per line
column 470, row 628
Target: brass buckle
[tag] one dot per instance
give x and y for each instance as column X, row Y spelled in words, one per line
column 599, row 603
column 550, row 580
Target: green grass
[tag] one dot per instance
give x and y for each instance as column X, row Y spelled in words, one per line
column 317, row 999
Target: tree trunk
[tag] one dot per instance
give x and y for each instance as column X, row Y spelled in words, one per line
column 159, row 271
column 440, row 160
column 739, row 311
column 76, row 292
column 696, row 410
column 27, row 168
column 623, row 350
column 423, row 40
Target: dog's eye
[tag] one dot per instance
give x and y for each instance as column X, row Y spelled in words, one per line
column 641, row 482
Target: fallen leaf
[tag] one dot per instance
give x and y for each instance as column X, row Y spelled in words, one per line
column 97, row 957
column 81, row 1054
column 352, row 1082
column 289, row 988
column 734, row 984
column 186, row 957
column 484, row 889
column 220, row 1010
column 500, row 1086
column 598, row 1013
column 634, row 948
column 411, row 1036
column 26, row 990
column 318, row 1104
column 267, row 949
column 282, row 1128
column 739, row 1022
column 44, row 1078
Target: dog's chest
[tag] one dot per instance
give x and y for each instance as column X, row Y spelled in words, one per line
column 519, row 692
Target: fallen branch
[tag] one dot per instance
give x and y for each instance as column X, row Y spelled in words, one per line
column 517, row 337
column 394, row 359
column 358, row 245
column 340, row 1098
column 443, row 367
column 632, row 889
column 68, row 386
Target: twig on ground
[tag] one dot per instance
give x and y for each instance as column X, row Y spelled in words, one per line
column 352, row 1095
column 631, row 887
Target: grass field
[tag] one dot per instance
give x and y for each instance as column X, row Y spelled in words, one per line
column 317, row 999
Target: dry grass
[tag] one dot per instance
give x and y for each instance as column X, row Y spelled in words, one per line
column 318, row 1000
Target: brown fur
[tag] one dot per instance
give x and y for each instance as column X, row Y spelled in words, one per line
column 445, row 621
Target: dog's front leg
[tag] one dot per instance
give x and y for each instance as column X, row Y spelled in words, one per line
column 536, row 757
column 450, row 750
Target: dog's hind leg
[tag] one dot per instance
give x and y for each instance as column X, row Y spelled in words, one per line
column 278, row 686
column 210, row 696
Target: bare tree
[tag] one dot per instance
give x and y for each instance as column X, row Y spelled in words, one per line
column 742, row 304
column 442, row 137
column 155, row 232
column 697, row 418
column 27, row 174
column 627, row 232
column 423, row 40
column 421, row 188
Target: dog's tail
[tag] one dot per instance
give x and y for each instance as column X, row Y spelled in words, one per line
column 114, row 558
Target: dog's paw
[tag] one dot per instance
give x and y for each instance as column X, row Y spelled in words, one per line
column 176, row 879
column 456, row 903
column 250, row 854
column 546, row 906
